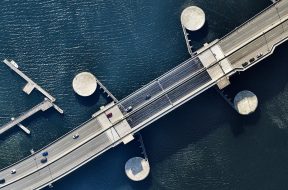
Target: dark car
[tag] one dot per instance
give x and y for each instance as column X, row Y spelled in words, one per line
column 148, row 96
column 252, row 60
column 45, row 153
column 43, row 160
column 2, row 180
column 245, row 64
column 259, row 55
column 109, row 115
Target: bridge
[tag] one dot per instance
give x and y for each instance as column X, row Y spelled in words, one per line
column 212, row 65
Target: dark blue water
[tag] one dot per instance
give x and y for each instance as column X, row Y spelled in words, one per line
column 202, row 145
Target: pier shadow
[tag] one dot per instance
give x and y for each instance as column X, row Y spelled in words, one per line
column 90, row 100
column 238, row 123
column 105, row 172
column 27, row 122
column 10, row 132
column 187, row 125
column 198, row 37
column 93, row 99
column 199, row 34
column 38, row 121
column 266, row 79
column 208, row 112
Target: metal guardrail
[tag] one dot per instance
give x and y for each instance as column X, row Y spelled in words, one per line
column 106, row 91
column 160, row 115
column 252, row 18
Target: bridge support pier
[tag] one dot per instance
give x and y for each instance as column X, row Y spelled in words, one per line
column 245, row 102
column 137, row 168
column 192, row 19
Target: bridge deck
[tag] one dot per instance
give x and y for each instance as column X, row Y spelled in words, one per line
column 167, row 93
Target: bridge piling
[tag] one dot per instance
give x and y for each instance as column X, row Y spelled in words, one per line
column 180, row 84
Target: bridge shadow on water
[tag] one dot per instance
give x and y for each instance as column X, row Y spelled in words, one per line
column 175, row 131
column 202, row 34
column 267, row 79
column 105, row 172
column 206, row 113
column 89, row 101
column 189, row 124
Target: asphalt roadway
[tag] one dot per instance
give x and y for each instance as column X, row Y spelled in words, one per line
column 67, row 154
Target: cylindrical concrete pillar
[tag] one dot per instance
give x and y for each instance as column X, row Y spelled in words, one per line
column 245, row 102
column 84, row 84
column 137, row 168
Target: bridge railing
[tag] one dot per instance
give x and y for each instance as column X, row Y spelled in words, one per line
column 139, row 128
column 249, row 20
column 263, row 11
column 43, row 148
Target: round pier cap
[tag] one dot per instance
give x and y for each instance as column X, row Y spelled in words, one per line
column 84, row 84
column 193, row 18
column 245, row 102
column 137, row 168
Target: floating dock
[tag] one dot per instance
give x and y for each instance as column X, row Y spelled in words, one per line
column 43, row 106
column 29, row 87
column 27, row 131
column 237, row 51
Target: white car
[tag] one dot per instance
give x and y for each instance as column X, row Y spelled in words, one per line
column 75, row 136
column 13, row 171
column 129, row 109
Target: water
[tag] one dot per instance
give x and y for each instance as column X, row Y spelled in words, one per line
column 204, row 144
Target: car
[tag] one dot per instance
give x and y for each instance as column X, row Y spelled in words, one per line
column 13, row 171
column 148, row 96
column 45, row 153
column 129, row 109
column 43, row 160
column 245, row 64
column 259, row 55
column 2, row 180
column 109, row 115
column 252, row 60
column 75, row 136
